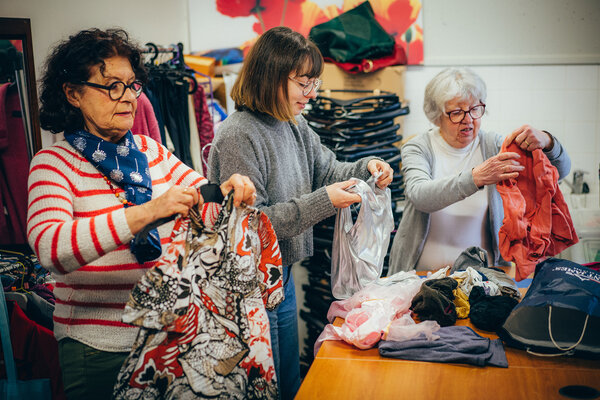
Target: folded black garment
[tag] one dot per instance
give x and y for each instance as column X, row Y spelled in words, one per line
column 489, row 312
column 386, row 153
column 384, row 97
column 456, row 344
column 434, row 301
column 349, row 138
column 358, row 130
column 347, row 150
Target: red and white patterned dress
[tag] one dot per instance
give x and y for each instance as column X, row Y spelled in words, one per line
column 205, row 330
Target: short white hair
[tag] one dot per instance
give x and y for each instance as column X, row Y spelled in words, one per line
column 449, row 84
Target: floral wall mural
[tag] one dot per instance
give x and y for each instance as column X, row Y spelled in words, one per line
column 400, row 18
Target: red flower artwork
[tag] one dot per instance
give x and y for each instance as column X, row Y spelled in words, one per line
column 397, row 17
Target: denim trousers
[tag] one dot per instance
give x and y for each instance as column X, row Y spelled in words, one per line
column 284, row 339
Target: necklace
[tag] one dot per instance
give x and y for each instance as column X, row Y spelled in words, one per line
column 117, row 194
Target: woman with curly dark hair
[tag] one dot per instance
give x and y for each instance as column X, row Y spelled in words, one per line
column 91, row 194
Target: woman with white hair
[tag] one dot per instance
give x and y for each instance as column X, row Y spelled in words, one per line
column 451, row 173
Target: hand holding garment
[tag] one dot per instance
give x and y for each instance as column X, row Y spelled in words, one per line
column 359, row 248
column 537, row 222
column 205, row 331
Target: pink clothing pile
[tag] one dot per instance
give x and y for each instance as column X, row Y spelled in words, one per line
column 379, row 311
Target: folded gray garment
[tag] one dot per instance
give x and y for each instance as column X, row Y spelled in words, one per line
column 477, row 258
column 473, row 256
column 507, row 285
column 457, row 344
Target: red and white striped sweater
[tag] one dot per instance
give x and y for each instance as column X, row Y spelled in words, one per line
column 78, row 230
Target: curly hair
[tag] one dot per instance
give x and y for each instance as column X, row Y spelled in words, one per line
column 70, row 62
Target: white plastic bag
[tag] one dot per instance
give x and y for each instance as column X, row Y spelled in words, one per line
column 359, row 248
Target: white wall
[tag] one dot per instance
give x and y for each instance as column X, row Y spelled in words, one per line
column 509, row 32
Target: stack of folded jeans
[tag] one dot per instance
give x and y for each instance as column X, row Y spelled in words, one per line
column 361, row 126
column 353, row 128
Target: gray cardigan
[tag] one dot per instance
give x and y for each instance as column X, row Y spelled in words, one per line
column 425, row 195
column 290, row 169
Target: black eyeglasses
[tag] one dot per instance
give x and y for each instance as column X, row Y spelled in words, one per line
column 457, row 116
column 116, row 90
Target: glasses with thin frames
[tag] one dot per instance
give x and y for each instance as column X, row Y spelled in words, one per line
column 457, row 116
column 309, row 86
column 116, row 90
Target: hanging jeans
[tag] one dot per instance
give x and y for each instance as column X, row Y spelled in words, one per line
column 284, row 339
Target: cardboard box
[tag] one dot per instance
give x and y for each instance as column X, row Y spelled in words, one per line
column 204, row 65
column 390, row 79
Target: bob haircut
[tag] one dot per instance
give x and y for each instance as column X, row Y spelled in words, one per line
column 262, row 85
column 70, row 62
column 451, row 83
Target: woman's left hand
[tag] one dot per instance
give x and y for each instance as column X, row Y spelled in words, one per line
column 243, row 189
column 387, row 173
column 528, row 138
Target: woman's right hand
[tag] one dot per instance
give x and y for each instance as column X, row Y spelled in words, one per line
column 498, row 168
column 176, row 200
column 339, row 196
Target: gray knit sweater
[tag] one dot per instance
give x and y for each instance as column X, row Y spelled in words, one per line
column 290, row 169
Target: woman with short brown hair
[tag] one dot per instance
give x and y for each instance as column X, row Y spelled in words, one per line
column 298, row 180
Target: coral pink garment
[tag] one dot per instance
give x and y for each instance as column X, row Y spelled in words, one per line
column 145, row 122
column 537, row 222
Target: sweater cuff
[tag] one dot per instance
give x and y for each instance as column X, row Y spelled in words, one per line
column 467, row 183
column 121, row 226
column 321, row 205
column 556, row 149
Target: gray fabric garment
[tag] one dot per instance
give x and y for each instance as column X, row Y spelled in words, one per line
column 508, row 286
column 425, row 195
column 474, row 257
column 290, row 169
column 457, row 344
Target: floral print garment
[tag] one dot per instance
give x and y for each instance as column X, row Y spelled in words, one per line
column 205, row 331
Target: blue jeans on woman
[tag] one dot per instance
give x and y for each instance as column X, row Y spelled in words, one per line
column 284, row 339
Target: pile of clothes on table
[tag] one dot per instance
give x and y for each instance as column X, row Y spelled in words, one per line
column 381, row 314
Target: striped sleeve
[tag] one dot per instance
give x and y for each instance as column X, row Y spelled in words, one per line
column 70, row 223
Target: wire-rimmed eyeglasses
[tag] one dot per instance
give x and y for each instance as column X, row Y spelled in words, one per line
column 309, row 86
column 116, row 90
column 457, row 116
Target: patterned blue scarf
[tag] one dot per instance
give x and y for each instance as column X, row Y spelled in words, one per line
column 126, row 166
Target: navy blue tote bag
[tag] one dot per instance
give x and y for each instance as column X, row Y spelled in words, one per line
column 560, row 314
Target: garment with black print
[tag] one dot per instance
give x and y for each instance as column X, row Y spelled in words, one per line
column 205, row 331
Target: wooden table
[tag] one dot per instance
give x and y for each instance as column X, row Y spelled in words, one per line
column 341, row 371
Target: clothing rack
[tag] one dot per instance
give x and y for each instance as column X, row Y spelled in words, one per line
column 170, row 82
